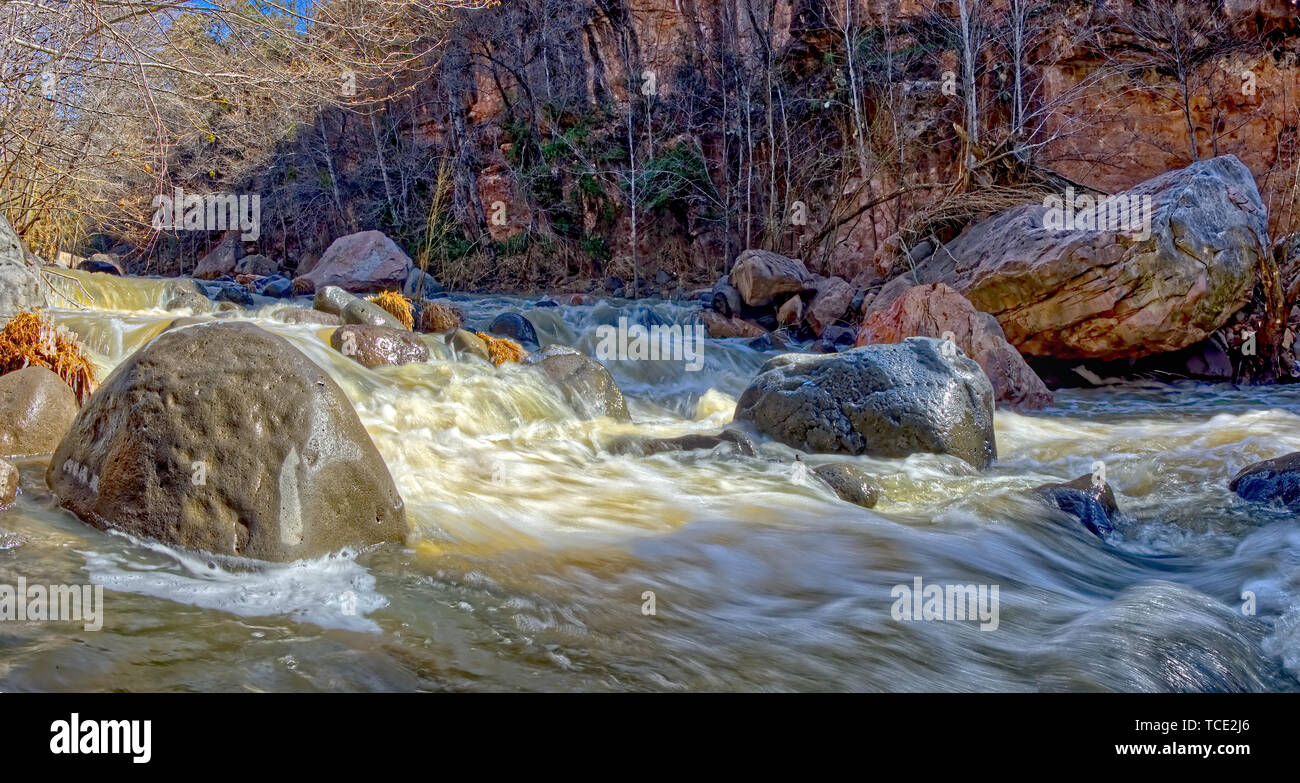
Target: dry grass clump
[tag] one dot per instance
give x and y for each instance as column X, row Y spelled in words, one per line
column 29, row 341
column 438, row 317
column 397, row 305
column 502, row 350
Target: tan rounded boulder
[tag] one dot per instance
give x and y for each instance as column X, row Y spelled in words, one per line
column 367, row 261
column 762, row 276
column 36, row 408
column 224, row 438
column 1109, row 283
column 379, row 346
column 932, row 311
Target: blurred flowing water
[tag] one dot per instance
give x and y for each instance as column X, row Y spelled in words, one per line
column 533, row 549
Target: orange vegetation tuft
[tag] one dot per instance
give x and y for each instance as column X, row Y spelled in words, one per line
column 502, row 350
column 397, row 305
column 27, row 341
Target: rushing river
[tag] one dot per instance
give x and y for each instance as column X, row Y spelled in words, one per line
column 533, row 549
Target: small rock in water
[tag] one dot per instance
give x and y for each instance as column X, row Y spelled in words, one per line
column 36, row 408
column 585, row 383
column 692, row 442
column 516, row 327
column 379, row 346
column 8, row 482
column 466, row 342
column 1274, row 480
column 1092, row 502
column 850, row 482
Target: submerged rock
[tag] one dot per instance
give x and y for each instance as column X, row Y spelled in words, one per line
column 883, row 400
column 721, row 326
column 36, row 409
column 302, row 315
column 517, row 328
column 1091, row 502
column 850, row 482
column 379, row 346
column 693, row 442
column 467, row 343
column 1274, row 481
column 585, row 383
column 224, row 438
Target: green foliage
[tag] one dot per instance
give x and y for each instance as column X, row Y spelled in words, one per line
column 676, row 175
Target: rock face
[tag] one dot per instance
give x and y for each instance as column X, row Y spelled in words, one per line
column 1107, row 294
column 379, row 346
column 36, row 408
column 585, row 383
column 1092, row 502
column 931, row 310
column 761, row 276
column 222, row 437
column 366, row 261
column 883, row 400
column 20, row 288
column 1274, row 481
column 221, row 260
column 353, row 309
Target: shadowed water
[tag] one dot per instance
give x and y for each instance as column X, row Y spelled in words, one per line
column 531, row 546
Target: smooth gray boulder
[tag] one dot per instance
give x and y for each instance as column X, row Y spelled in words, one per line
column 352, row 309
column 224, row 438
column 884, row 400
column 20, row 287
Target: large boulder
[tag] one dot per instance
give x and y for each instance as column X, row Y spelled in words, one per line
column 932, row 310
column 366, row 261
column 761, row 276
column 882, row 400
column 36, row 408
column 379, row 346
column 1275, row 481
column 20, row 287
column 585, row 383
column 353, row 309
column 1113, row 294
column 224, row 438
column 222, row 259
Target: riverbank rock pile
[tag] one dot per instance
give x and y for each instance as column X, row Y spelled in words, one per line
column 224, row 438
